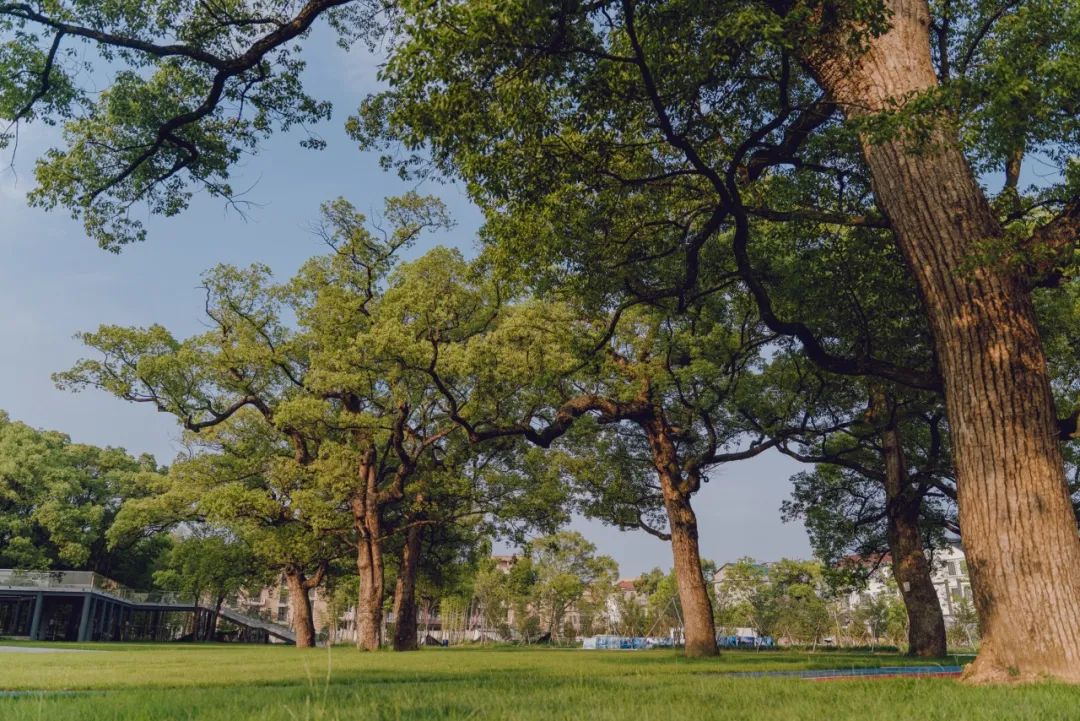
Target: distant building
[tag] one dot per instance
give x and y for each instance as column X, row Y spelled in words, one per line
column 504, row 563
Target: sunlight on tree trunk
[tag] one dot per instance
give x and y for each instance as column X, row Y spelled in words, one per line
column 302, row 621
column 1019, row 528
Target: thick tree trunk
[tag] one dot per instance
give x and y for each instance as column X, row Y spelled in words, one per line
column 369, row 613
column 911, row 568
column 367, row 521
column 698, row 625
column 303, row 623
column 405, row 594
column 1019, row 529
column 697, row 611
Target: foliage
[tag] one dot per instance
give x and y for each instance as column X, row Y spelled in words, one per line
column 879, row 617
column 567, row 573
column 211, row 566
column 240, row 476
column 785, row 599
column 158, row 100
column 554, row 575
column 59, row 500
column 963, row 631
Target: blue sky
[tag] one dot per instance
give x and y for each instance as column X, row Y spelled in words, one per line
column 54, row 282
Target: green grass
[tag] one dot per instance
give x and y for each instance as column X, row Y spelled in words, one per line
column 266, row 683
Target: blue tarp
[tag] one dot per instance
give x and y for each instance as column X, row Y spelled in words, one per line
column 745, row 641
column 617, row 642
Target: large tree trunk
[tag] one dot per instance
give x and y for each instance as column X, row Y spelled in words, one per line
column 303, row 623
column 369, row 613
column 698, row 625
column 911, row 569
column 697, row 611
column 1019, row 529
column 405, row 593
column 367, row 521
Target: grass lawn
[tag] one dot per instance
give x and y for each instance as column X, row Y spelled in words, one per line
column 272, row 683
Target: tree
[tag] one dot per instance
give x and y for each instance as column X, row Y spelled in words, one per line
column 521, row 583
column 227, row 388
column 632, row 614
column 299, row 386
column 492, row 592
column 964, row 630
column 665, row 387
column 59, row 500
column 974, row 316
column 567, row 572
column 871, row 616
column 885, row 495
column 241, row 476
column 795, row 594
column 193, row 88
column 212, row 566
column 743, row 599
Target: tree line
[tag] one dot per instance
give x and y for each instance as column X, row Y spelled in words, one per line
column 681, row 187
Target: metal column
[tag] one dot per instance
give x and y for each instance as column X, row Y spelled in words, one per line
column 35, row 623
column 84, row 619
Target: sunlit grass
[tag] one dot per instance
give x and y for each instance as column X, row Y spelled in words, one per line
column 236, row 683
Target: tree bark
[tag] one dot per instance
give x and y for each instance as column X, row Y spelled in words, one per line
column 1019, row 529
column 405, row 593
column 698, row 625
column 369, row 614
column 911, row 568
column 367, row 521
column 303, row 623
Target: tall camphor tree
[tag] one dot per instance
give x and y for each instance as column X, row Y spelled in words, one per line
column 390, row 427
column 669, row 383
column 296, row 393
column 1012, row 495
column 632, row 112
column 892, row 480
column 882, row 489
column 241, row 476
column 350, row 435
column 227, row 387
column 396, row 451
column 890, row 446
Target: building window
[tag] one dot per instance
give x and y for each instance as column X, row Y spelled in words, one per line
column 282, row 614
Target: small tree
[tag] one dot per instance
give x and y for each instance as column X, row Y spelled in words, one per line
column 567, row 569
column 210, row 566
column 964, row 629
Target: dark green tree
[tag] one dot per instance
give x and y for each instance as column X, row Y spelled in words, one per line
column 211, row 566
column 59, row 500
